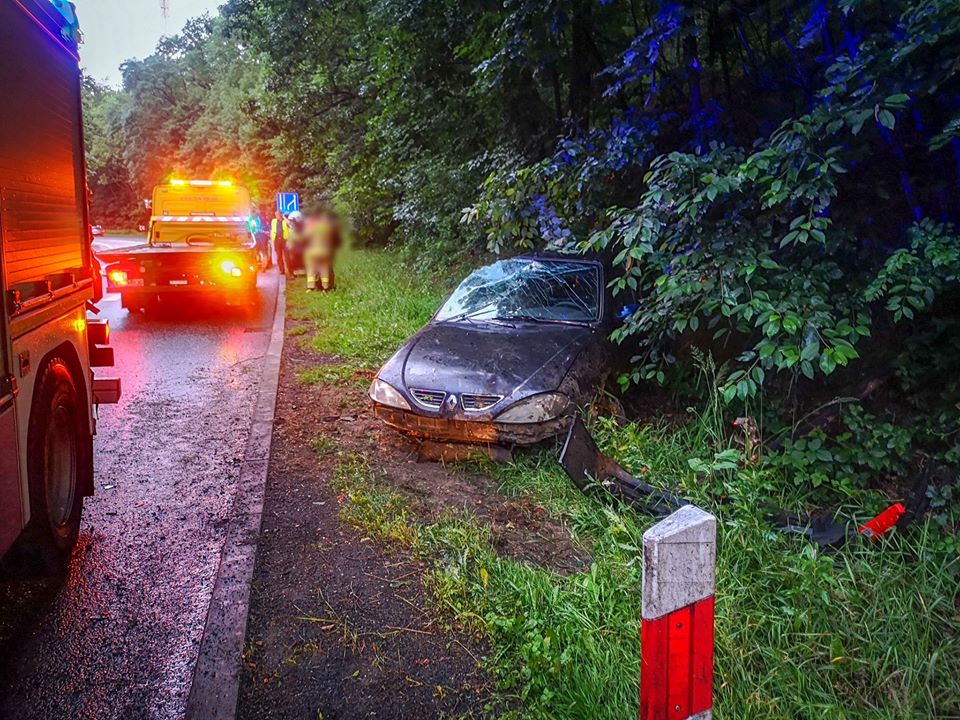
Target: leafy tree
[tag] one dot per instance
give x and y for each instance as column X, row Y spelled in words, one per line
column 190, row 109
column 114, row 198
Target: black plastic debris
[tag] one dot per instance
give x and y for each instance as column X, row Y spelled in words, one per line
column 818, row 529
column 587, row 467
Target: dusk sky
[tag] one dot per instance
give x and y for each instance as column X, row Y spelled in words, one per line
column 117, row 30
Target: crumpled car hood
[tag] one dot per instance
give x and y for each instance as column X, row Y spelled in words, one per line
column 489, row 358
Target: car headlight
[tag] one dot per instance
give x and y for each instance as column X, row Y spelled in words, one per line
column 535, row 409
column 386, row 394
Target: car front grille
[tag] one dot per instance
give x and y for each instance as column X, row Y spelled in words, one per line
column 429, row 398
column 471, row 401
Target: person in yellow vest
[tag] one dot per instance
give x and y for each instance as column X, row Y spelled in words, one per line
column 279, row 234
column 323, row 240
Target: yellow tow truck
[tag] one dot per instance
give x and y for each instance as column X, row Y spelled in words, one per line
column 200, row 244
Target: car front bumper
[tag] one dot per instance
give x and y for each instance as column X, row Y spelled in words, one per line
column 458, row 430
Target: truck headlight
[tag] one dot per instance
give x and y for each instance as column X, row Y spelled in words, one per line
column 386, row 394
column 535, row 409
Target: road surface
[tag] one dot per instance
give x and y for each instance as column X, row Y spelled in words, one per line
column 119, row 638
column 117, row 242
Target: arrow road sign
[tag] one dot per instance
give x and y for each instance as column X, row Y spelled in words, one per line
column 288, row 202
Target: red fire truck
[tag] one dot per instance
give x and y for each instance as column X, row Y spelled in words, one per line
column 49, row 282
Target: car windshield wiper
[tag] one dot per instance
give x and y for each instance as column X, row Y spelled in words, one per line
column 472, row 316
column 536, row 319
column 468, row 315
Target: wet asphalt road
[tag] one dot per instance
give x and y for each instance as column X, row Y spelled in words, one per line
column 119, row 637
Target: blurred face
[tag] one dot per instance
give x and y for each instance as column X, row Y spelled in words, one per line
column 278, row 215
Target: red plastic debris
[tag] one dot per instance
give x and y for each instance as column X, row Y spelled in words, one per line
column 883, row 522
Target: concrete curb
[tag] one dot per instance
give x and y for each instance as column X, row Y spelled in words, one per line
column 214, row 692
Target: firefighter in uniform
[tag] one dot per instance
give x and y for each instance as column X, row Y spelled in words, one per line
column 323, row 239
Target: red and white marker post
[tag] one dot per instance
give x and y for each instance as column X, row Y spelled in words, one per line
column 679, row 569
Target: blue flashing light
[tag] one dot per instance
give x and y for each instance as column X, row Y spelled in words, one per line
column 67, row 11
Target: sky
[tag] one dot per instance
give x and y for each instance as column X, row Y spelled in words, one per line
column 117, row 30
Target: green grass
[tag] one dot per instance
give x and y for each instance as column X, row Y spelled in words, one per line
column 372, row 507
column 871, row 631
column 338, row 373
column 323, row 445
column 377, row 305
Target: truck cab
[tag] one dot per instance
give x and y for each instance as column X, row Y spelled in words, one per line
column 49, row 281
column 200, row 244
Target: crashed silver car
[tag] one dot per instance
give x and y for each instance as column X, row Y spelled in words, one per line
column 506, row 360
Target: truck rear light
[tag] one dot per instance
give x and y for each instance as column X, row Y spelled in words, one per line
column 106, row 391
column 231, row 268
column 118, row 278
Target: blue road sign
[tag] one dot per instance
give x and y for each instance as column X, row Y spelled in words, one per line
column 288, row 202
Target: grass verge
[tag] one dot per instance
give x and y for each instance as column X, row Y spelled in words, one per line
column 378, row 304
column 871, row 631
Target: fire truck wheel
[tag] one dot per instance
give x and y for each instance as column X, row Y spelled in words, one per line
column 57, row 443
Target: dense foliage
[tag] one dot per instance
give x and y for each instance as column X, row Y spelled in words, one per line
column 775, row 181
column 786, row 172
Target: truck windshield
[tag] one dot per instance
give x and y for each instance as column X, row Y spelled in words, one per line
column 527, row 289
column 202, row 234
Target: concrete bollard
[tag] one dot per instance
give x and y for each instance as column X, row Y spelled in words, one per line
column 676, row 665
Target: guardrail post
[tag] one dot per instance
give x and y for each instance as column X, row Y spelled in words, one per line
column 679, row 568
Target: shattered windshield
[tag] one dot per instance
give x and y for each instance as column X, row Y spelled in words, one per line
column 528, row 289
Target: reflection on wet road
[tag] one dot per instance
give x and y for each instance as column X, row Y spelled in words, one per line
column 119, row 639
